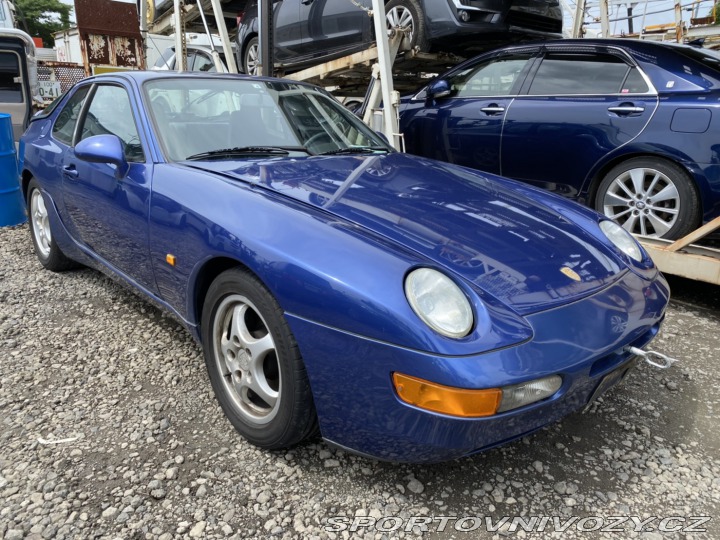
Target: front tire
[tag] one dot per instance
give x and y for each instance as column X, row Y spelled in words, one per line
column 408, row 13
column 651, row 197
column 46, row 248
column 254, row 363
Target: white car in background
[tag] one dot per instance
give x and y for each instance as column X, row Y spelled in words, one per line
column 199, row 58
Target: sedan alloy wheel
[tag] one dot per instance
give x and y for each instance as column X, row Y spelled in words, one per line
column 649, row 197
column 251, row 64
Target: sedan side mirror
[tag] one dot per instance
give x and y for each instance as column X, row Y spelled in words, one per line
column 439, row 89
column 104, row 149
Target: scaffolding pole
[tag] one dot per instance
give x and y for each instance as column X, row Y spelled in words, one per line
column 224, row 37
column 391, row 126
column 578, row 19
column 180, row 50
column 604, row 19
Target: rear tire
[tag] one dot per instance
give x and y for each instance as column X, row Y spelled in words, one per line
column 254, row 363
column 650, row 196
column 408, row 13
column 46, row 248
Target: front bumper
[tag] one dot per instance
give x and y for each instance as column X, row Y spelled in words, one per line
column 532, row 18
column 358, row 408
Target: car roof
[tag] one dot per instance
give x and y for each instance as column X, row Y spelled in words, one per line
column 141, row 76
column 625, row 43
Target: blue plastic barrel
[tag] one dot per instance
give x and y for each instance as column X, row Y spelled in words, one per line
column 12, row 209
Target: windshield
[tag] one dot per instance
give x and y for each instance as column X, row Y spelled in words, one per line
column 202, row 115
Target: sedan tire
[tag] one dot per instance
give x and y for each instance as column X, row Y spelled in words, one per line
column 651, row 197
column 408, row 13
column 251, row 58
column 46, row 248
column 254, row 363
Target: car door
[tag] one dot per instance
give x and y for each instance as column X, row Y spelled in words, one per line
column 109, row 214
column 332, row 25
column 579, row 105
column 13, row 91
column 287, row 29
column 465, row 127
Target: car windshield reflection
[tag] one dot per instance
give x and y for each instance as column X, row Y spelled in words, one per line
column 199, row 118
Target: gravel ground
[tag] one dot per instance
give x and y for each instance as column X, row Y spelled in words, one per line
column 109, row 429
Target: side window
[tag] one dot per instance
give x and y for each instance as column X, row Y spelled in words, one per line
column 166, row 60
column 493, row 78
column 110, row 113
column 634, row 83
column 203, row 63
column 65, row 123
column 568, row 73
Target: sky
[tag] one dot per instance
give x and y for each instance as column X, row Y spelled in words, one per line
column 619, row 10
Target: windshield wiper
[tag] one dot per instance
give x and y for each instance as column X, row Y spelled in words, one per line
column 249, row 150
column 354, row 150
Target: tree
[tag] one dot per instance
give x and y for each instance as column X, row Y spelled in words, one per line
column 43, row 18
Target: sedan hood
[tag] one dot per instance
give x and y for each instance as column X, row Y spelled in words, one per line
column 486, row 229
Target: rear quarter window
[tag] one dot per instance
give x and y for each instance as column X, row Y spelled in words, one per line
column 679, row 68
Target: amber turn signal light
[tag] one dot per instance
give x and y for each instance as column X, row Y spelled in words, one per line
column 446, row 399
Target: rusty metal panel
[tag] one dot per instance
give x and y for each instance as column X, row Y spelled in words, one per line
column 97, row 48
column 109, row 34
column 107, row 17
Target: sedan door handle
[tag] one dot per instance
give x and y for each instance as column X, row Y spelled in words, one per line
column 625, row 110
column 493, row 109
column 71, row 171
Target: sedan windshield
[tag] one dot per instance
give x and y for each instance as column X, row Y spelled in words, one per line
column 221, row 118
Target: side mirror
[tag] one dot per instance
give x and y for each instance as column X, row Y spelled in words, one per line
column 439, row 89
column 104, row 149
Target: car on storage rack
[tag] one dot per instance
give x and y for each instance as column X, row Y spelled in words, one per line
column 314, row 31
column 628, row 127
column 199, row 58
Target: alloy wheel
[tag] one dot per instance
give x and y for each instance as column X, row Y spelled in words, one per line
column 252, row 59
column 400, row 16
column 246, row 356
column 644, row 201
column 41, row 223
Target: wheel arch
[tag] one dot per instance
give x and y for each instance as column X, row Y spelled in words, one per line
column 243, row 47
column 208, row 272
column 25, row 178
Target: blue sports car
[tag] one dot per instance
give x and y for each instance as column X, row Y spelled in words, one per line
column 628, row 127
column 403, row 308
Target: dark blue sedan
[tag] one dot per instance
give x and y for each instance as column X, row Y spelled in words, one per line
column 401, row 307
column 627, row 127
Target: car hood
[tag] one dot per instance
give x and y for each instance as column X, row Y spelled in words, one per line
column 495, row 233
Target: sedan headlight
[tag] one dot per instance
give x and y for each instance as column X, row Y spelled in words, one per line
column 621, row 239
column 439, row 302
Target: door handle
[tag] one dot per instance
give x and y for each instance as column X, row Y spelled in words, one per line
column 70, row 171
column 493, row 109
column 626, row 110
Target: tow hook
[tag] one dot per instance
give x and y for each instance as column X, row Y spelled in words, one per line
column 653, row 358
